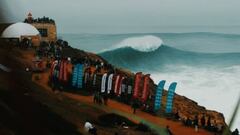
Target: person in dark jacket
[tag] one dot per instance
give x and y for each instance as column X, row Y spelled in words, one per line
column 196, row 123
column 235, row 132
column 169, row 132
column 209, row 125
column 105, row 99
column 134, row 106
column 203, row 121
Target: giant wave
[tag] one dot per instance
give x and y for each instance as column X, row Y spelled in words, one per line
column 146, row 43
column 158, row 59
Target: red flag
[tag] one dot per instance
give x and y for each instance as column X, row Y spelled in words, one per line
column 65, row 71
column 145, row 87
column 138, row 78
column 54, row 63
column 116, row 84
column 61, row 70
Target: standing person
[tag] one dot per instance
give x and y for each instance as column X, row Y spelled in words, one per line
column 95, row 97
column 209, row 125
column 86, row 78
column 196, row 123
column 56, row 83
column 176, row 115
column 129, row 93
column 105, row 99
column 99, row 97
column 235, row 132
column 135, row 106
column 90, row 128
column 188, row 122
column 123, row 91
column 89, row 79
column 169, row 132
column 102, row 64
column 203, row 121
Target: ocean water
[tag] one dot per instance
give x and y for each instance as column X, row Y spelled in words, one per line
column 205, row 65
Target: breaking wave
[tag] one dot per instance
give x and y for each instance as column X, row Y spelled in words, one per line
column 158, row 59
column 143, row 43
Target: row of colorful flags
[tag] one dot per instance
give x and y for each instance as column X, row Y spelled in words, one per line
column 140, row 90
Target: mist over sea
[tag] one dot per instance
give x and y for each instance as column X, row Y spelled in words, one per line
column 206, row 65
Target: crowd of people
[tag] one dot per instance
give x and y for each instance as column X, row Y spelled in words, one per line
column 52, row 49
column 92, row 82
column 203, row 121
column 39, row 20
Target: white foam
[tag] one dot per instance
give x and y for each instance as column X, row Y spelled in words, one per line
column 146, row 43
column 216, row 89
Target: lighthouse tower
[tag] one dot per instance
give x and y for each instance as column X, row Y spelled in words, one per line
column 29, row 18
column 45, row 25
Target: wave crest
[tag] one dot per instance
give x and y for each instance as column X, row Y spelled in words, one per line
column 144, row 43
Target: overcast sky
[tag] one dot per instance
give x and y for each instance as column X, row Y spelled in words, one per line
column 83, row 16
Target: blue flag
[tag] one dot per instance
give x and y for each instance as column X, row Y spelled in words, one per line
column 170, row 96
column 158, row 96
column 74, row 76
column 77, row 77
column 80, row 76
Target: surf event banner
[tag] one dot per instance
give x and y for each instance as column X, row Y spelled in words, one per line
column 53, row 66
column 77, row 77
column 145, row 87
column 110, row 79
column 103, row 86
column 116, row 84
column 170, row 96
column 158, row 96
column 138, row 77
column 63, row 71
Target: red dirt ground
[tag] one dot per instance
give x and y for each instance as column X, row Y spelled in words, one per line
column 176, row 127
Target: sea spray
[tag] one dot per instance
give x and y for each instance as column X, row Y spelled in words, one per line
column 144, row 44
column 216, row 89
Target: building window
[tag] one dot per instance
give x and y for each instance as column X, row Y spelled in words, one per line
column 43, row 32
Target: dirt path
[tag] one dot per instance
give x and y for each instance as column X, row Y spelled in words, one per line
column 156, row 123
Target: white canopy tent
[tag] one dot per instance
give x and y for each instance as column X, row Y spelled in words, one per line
column 19, row 29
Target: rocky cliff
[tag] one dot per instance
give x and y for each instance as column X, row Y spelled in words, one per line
column 186, row 107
